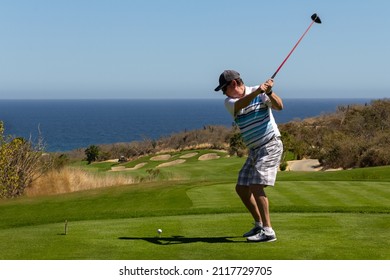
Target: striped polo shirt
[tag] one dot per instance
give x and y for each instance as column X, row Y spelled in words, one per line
column 256, row 121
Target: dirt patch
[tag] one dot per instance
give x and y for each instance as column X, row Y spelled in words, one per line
column 209, row 156
column 161, row 157
column 189, row 155
column 178, row 161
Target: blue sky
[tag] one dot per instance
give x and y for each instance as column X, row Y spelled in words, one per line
column 177, row 49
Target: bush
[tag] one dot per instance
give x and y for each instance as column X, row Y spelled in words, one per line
column 92, row 153
column 21, row 162
column 236, row 143
column 375, row 157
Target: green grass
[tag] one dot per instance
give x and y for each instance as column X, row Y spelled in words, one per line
column 317, row 215
column 300, row 236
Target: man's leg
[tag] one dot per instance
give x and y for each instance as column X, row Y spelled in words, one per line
column 262, row 203
column 249, row 201
column 268, row 234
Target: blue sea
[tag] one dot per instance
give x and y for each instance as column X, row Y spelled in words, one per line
column 71, row 124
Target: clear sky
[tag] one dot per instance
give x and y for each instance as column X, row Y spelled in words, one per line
column 177, row 49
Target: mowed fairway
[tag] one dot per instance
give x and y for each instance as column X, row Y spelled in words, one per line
column 316, row 215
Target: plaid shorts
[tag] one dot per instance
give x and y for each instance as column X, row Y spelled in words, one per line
column 262, row 164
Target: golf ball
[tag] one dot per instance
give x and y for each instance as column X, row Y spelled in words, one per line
column 159, row 231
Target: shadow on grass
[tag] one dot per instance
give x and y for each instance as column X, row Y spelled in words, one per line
column 185, row 240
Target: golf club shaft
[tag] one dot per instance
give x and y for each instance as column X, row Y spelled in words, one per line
column 300, row 39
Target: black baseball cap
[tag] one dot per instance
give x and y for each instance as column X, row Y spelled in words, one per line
column 226, row 77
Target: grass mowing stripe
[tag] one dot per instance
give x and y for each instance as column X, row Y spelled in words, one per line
column 380, row 193
column 327, row 193
column 334, row 193
column 365, row 193
column 340, row 194
column 362, row 193
column 314, row 193
column 214, row 195
column 292, row 190
column 346, row 193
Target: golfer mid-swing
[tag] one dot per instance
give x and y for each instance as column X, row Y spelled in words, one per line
column 251, row 110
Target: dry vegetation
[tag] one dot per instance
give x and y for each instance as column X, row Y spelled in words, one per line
column 354, row 136
column 21, row 161
column 69, row 179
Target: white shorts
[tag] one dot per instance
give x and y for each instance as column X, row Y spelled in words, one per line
column 262, row 164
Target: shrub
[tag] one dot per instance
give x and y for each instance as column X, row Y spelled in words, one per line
column 92, row 153
column 236, row 143
column 21, row 162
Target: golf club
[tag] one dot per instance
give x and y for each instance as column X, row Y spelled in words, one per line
column 315, row 19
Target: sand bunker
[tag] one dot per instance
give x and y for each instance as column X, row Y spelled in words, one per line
column 138, row 166
column 209, row 156
column 189, row 155
column 111, row 160
column 123, row 168
column 304, row 165
column 118, row 168
column 165, row 164
column 161, row 157
column 166, row 157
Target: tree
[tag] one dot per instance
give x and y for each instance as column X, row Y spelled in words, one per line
column 92, row 153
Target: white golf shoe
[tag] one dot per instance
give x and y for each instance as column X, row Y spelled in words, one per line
column 253, row 231
column 262, row 237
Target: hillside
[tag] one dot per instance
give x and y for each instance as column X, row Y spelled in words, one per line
column 354, row 136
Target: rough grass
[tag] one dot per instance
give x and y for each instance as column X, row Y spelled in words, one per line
column 69, row 179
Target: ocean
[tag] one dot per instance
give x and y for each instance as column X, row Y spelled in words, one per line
column 72, row 124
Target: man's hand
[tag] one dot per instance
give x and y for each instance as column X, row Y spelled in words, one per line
column 267, row 86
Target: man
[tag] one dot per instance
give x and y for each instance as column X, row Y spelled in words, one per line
column 251, row 110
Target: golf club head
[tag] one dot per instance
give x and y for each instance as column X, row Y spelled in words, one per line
column 316, row 18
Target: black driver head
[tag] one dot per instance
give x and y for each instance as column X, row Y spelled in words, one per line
column 316, row 18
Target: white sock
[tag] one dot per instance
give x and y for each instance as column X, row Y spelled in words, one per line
column 269, row 231
column 258, row 224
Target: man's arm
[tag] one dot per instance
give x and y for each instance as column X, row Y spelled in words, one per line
column 276, row 101
column 246, row 100
column 266, row 87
